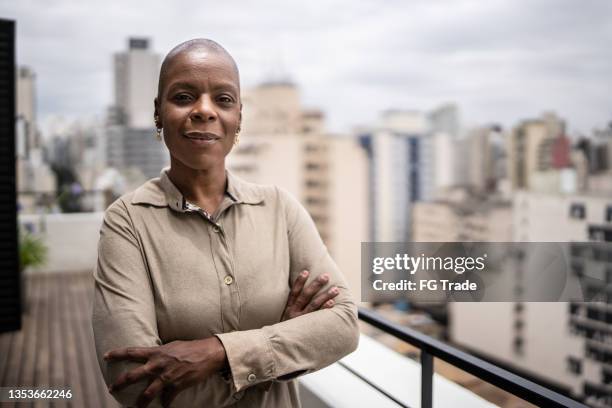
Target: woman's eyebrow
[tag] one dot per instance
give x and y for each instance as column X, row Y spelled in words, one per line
column 219, row 86
column 178, row 85
column 226, row 85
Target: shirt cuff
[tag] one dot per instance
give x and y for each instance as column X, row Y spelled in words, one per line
column 250, row 357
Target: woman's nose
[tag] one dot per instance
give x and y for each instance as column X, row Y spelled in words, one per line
column 204, row 110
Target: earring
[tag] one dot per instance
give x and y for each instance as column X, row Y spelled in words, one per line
column 237, row 139
column 158, row 129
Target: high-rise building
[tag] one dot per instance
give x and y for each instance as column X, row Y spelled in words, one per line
column 136, row 77
column 283, row 144
column 129, row 149
column 463, row 215
column 274, row 108
column 401, row 172
column 446, row 149
column 130, row 142
column 445, row 119
column 566, row 344
column 486, row 158
column 598, row 150
column 34, row 177
column 451, row 149
column 530, row 149
column 460, row 215
column 27, row 132
column 348, row 208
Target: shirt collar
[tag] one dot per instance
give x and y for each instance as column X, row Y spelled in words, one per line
column 162, row 192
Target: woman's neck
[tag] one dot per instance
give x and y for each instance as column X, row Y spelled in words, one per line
column 202, row 187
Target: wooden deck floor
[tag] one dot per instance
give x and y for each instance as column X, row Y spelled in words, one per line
column 55, row 346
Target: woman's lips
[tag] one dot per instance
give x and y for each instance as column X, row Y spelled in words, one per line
column 202, row 138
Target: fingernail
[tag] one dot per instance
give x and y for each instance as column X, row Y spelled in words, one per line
column 330, row 303
column 333, row 291
column 106, row 356
column 304, row 273
column 324, row 277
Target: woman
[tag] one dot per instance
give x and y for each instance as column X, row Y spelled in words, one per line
column 211, row 291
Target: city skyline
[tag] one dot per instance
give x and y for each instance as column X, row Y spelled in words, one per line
column 403, row 177
column 498, row 61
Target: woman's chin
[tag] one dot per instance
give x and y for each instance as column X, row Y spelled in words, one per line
column 200, row 163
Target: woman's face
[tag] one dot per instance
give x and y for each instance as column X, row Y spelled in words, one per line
column 199, row 109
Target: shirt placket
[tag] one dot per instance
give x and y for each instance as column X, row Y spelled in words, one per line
column 224, row 265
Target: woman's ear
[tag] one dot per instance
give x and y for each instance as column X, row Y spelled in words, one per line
column 156, row 117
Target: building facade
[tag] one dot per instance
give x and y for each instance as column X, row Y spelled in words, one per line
column 565, row 344
column 282, row 143
column 136, row 76
column 401, row 162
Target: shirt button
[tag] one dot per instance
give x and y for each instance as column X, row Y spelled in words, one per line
column 252, row 377
column 228, row 280
column 216, row 228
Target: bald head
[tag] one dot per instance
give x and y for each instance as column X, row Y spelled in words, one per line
column 195, row 45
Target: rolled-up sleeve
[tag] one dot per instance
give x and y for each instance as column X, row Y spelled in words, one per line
column 306, row 343
column 123, row 307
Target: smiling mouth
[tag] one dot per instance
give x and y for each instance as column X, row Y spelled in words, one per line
column 207, row 136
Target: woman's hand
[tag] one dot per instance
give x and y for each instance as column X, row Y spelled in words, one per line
column 303, row 300
column 171, row 368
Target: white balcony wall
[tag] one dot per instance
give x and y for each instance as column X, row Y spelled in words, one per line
column 71, row 239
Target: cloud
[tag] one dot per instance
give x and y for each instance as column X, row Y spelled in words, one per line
column 499, row 60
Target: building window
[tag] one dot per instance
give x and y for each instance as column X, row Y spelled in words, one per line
column 312, row 166
column 577, row 211
column 518, row 324
column 313, row 183
column 600, row 233
column 574, row 365
column 518, row 345
column 607, row 376
column 574, row 308
column 414, row 186
column 595, row 391
column 609, row 213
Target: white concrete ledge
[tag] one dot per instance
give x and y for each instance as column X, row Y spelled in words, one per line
column 397, row 375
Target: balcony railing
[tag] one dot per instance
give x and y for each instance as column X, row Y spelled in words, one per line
column 430, row 348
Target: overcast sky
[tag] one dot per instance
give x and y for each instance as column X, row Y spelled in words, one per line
column 498, row 60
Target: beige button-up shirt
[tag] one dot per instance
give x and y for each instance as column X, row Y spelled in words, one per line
column 168, row 272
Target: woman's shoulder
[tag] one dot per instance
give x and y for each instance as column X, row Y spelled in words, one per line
column 150, row 192
column 255, row 192
column 251, row 192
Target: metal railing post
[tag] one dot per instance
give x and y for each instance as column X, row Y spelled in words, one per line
column 426, row 379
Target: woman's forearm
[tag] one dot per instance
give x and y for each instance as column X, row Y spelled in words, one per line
column 291, row 348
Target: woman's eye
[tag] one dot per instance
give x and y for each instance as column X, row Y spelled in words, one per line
column 182, row 97
column 225, row 99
